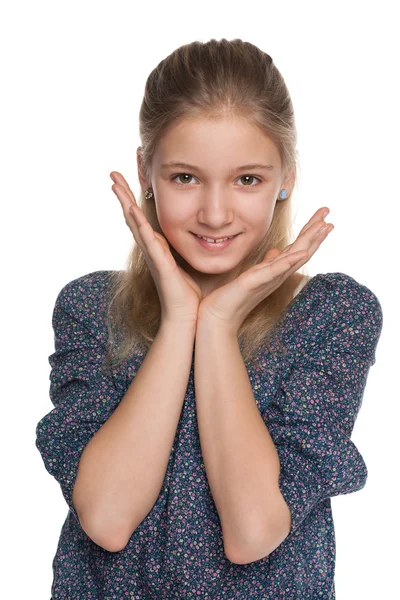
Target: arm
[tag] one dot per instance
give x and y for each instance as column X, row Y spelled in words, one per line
column 310, row 418
column 108, row 446
column 123, row 466
column 240, row 458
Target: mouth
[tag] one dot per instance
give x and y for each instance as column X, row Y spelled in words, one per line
column 215, row 245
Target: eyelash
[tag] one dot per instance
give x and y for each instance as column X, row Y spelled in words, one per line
column 186, row 184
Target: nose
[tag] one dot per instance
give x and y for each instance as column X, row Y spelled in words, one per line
column 216, row 211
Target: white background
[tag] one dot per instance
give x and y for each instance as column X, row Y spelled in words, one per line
column 73, row 77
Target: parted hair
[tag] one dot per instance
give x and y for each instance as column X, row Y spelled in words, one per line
column 206, row 79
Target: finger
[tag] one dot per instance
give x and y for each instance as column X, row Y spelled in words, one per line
column 319, row 215
column 152, row 243
column 122, row 185
column 292, row 258
column 316, row 232
column 319, row 237
column 133, row 220
column 280, row 269
column 120, row 180
column 316, row 240
column 287, row 265
column 274, row 253
column 311, row 228
column 282, row 263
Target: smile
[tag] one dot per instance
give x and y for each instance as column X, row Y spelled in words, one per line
column 215, row 245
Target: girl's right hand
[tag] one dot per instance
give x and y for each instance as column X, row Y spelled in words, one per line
column 179, row 294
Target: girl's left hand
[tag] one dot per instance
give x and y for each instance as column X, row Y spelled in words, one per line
column 230, row 304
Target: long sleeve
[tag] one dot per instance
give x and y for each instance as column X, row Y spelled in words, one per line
column 312, row 416
column 83, row 396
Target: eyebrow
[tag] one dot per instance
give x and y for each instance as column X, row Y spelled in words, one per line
column 194, row 168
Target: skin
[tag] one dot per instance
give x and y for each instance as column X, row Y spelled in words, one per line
column 215, row 298
column 211, row 200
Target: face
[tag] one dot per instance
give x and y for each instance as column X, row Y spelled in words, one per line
column 215, row 197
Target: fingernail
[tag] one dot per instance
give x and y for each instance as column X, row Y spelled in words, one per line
column 325, row 214
column 113, row 178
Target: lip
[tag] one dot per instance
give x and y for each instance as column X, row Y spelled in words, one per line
column 213, row 246
column 217, row 238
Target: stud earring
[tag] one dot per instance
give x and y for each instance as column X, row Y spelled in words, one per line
column 282, row 194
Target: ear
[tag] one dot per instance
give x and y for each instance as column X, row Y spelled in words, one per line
column 143, row 181
column 288, row 184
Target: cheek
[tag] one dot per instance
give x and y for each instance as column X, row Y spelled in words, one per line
column 170, row 225
column 165, row 214
column 260, row 219
column 172, row 216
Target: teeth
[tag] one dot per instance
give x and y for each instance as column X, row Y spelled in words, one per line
column 214, row 241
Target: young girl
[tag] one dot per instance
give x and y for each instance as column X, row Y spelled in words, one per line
column 205, row 397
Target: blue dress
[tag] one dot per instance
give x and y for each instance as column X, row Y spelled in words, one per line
column 309, row 398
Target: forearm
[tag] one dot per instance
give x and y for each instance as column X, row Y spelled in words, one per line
column 122, row 468
column 240, row 458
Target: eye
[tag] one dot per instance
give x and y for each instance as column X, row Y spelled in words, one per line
column 189, row 175
column 179, row 175
column 253, row 176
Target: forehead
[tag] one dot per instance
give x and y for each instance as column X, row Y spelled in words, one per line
column 209, row 144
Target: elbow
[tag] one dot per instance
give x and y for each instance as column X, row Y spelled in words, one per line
column 252, row 553
column 108, row 537
column 265, row 540
column 106, row 540
column 110, row 544
column 246, row 551
column 247, row 555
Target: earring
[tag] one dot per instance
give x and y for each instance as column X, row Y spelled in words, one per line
column 282, row 194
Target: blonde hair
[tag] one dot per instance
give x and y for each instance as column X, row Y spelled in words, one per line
column 212, row 79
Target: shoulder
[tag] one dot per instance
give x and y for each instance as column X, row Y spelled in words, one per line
column 340, row 295
column 86, row 297
column 335, row 310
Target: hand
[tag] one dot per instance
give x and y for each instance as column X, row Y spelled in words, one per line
column 179, row 294
column 230, row 304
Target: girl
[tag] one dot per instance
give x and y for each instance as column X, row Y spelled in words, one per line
column 204, row 398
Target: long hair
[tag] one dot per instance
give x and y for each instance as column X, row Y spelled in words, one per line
column 211, row 79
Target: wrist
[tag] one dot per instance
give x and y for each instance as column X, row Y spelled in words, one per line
column 216, row 326
column 178, row 327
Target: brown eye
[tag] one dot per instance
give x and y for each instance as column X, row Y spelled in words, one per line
column 181, row 175
column 189, row 176
column 251, row 177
